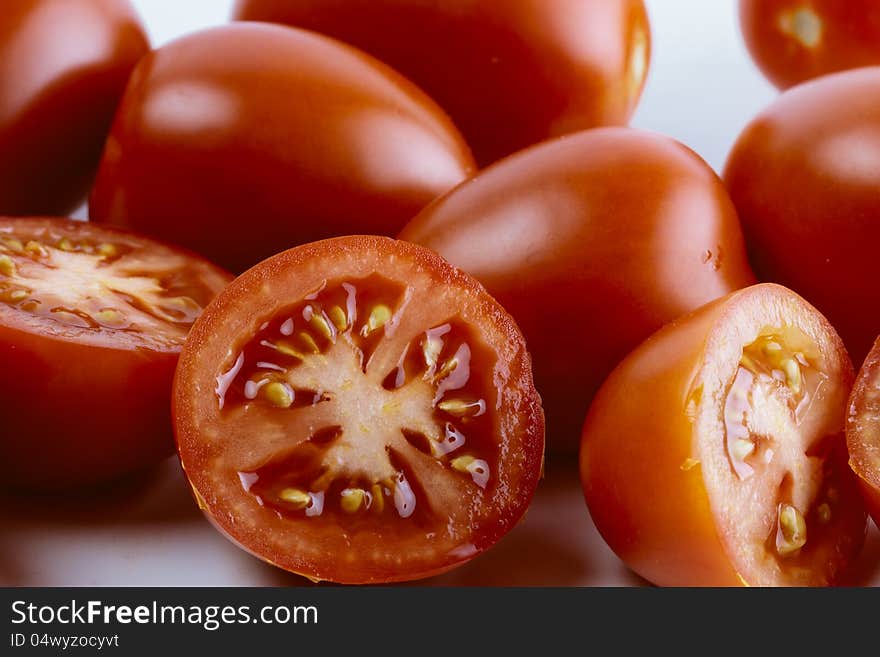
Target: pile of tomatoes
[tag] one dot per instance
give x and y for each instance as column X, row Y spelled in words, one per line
column 431, row 258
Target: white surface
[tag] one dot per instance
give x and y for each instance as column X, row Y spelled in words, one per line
column 702, row 90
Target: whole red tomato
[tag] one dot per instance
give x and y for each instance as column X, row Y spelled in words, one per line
column 63, row 67
column 592, row 242
column 244, row 140
column 510, row 73
column 92, row 320
column 804, row 176
column 357, row 410
column 793, row 41
column 714, row 454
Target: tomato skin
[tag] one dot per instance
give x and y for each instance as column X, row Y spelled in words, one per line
column 77, row 412
column 646, row 492
column 63, row 67
column 834, row 36
column 803, row 179
column 236, row 315
column 592, row 242
column 863, row 431
column 510, row 74
column 285, row 137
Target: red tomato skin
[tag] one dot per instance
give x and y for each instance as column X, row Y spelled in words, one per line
column 511, row 73
column 592, row 242
column 863, row 431
column 245, row 140
column 77, row 414
column 63, row 67
column 804, row 179
column 840, row 36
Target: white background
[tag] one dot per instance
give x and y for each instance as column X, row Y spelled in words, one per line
column 702, row 90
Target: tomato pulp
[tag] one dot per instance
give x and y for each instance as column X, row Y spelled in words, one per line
column 91, row 323
column 357, row 410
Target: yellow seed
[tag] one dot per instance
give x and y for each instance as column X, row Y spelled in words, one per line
column 338, row 317
column 431, row 349
column 689, row 464
column 742, row 448
column 66, row 245
column 309, row 342
column 278, row 394
column 109, row 316
column 298, row 498
column 792, row 533
column 461, row 408
column 378, row 498
column 379, row 316
column 792, row 375
column 824, row 513
column 448, row 368
column 7, row 266
column 14, row 245
column 18, row 295
column 352, row 499
column 286, row 349
column 107, row 250
column 321, row 326
column 462, row 463
column 35, row 248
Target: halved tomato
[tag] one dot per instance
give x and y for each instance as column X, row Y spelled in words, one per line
column 863, row 431
column 91, row 323
column 714, row 454
column 357, row 410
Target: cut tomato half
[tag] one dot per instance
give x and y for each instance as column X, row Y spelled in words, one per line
column 714, row 454
column 357, row 410
column 91, row 322
column 863, row 431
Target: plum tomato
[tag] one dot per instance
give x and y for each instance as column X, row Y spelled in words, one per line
column 592, row 242
column 793, row 40
column 863, row 431
column 804, row 177
column 357, row 410
column 63, row 67
column 714, row 455
column 511, row 73
column 91, row 324
column 245, row 140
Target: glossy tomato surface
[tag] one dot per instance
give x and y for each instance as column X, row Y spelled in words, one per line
column 714, row 455
column 592, row 242
column 510, row 73
column 804, row 176
column 793, row 41
column 357, row 410
column 243, row 141
column 63, row 67
column 91, row 323
column 863, row 431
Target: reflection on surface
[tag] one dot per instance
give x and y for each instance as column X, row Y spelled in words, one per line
column 149, row 532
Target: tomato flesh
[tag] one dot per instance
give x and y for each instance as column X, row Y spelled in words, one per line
column 365, row 409
column 91, row 322
column 745, row 400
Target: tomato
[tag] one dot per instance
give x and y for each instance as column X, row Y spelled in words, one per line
column 734, row 414
column 357, row 410
column 63, row 67
column 592, row 242
column 91, row 323
column 804, row 176
column 863, row 431
column 793, row 41
column 511, row 73
column 244, row 140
